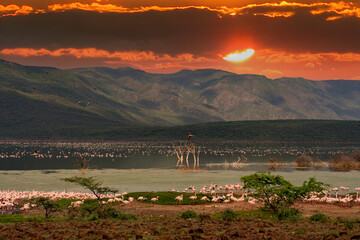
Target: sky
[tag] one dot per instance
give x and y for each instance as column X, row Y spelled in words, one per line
column 314, row 39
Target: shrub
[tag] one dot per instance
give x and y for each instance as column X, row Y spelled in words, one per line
column 48, row 205
column 319, row 217
column 188, row 214
column 356, row 156
column 229, row 215
column 113, row 213
column 275, row 192
column 290, row 214
column 317, row 163
column 304, row 161
column 343, row 163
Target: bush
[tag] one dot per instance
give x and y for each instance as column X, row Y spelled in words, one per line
column 49, row 205
column 304, row 161
column 319, row 217
column 113, row 213
column 188, row 214
column 229, row 215
column 356, row 156
column 343, row 163
column 290, row 214
column 89, row 206
column 275, row 192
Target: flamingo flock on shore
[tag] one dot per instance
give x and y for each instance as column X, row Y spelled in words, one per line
column 219, row 194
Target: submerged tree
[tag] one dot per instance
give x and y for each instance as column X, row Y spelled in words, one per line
column 188, row 148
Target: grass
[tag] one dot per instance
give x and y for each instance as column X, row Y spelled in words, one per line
column 13, row 218
column 167, row 198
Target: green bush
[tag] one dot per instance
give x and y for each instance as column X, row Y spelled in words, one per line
column 113, row 213
column 275, row 192
column 229, row 215
column 89, row 206
column 319, row 217
column 49, row 205
column 290, row 214
column 188, row 214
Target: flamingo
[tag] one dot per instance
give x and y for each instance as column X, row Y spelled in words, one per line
column 204, row 198
column 154, row 199
column 141, row 198
column 193, row 198
column 180, row 198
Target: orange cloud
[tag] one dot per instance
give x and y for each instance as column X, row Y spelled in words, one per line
column 283, row 9
column 14, row 10
column 272, row 56
column 129, row 56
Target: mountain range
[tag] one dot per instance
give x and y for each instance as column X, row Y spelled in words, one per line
column 47, row 98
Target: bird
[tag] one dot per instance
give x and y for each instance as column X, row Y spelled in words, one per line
column 193, row 198
column 190, row 135
column 205, row 198
column 179, row 198
column 154, row 199
column 141, row 198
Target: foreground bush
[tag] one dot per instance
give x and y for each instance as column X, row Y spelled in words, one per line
column 319, row 217
column 188, row 214
column 277, row 194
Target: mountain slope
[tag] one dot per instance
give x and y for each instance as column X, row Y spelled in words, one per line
column 44, row 98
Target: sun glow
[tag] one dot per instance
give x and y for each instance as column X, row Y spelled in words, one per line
column 239, row 56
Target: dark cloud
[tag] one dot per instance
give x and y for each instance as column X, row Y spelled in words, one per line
column 192, row 31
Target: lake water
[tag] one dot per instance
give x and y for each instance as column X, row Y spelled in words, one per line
column 151, row 165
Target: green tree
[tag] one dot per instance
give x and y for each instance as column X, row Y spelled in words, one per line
column 91, row 184
column 276, row 193
column 49, row 205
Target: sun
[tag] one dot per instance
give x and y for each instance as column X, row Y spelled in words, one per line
column 239, row 56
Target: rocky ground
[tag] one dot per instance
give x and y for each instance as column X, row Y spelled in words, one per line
column 163, row 222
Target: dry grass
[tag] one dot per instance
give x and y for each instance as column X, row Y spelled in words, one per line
column 304, row 161
column 341, row 162
column 275, row 164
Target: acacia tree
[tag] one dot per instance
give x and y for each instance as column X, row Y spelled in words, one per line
column 91, row 184
column 48, row 205
column 275, row 192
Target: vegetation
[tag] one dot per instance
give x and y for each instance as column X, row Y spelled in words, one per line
column 188, row 214
column 277, row 194
column 49, row 205
column 168, row 198
column 344, row 163
column 319, row 217
column 229, row 215
column 304, row 161
column 91, row 184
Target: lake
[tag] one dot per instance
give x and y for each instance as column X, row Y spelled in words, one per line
column 151, row 165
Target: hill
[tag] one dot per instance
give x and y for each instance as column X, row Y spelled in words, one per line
column 45, row 102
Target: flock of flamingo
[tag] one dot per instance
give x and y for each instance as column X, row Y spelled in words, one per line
column 11, row 200
column 61, row 150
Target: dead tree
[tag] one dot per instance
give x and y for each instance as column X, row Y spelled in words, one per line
column 180, row 150
column 82, row 165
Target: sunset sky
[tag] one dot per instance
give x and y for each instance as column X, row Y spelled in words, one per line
column 301, row 38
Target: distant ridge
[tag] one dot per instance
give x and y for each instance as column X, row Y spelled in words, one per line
column 50, row 99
